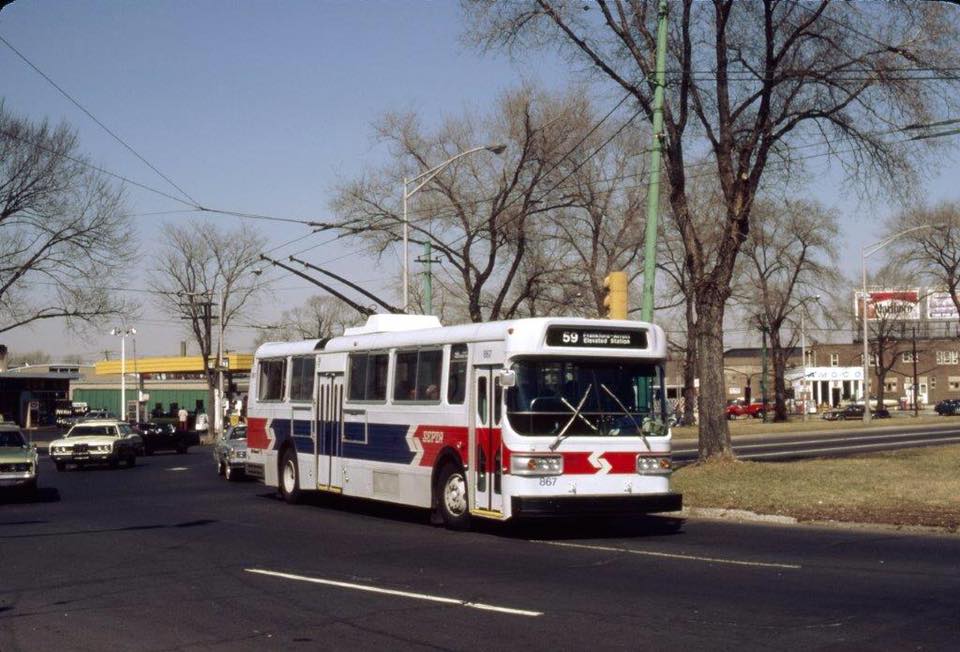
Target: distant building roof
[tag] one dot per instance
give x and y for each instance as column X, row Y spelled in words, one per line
column 22, row 373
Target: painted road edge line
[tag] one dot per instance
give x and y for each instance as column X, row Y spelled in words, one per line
column 668, row 555
column 400, row 594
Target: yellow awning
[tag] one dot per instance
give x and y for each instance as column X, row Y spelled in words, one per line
column 191, row 364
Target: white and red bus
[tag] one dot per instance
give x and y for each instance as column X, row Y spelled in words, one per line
column 499, row 420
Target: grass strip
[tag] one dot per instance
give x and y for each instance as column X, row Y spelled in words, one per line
column 919, row 486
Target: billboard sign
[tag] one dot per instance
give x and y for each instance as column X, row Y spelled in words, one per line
column 940, row 306
column 891, row 305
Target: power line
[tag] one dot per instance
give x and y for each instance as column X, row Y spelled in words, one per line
column 94, row 118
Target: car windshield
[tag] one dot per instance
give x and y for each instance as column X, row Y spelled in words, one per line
column 584, row 397
column 88, row 431
column 11, row 439
column 238, row 433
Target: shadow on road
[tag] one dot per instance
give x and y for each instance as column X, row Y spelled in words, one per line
column 567, row 528
column 42, row 495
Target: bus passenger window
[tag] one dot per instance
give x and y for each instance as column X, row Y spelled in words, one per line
column 405, row 376
column 429, row 365
column 301, row 379
column 482, row 400
column 271, row 380
column 377, row 377
column 358, row 376
column 457, row 376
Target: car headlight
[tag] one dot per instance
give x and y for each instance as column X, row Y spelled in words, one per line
column 238, row 454
column 647, row 465
column 536, row 464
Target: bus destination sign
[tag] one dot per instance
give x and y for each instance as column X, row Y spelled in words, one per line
column 602, row 338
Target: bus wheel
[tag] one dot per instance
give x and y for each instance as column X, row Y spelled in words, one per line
column 290, row 477
column 452, row 489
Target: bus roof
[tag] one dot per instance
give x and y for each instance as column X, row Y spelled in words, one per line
column 527, row 333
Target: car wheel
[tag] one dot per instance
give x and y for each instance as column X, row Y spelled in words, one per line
column 452, row 500
column 131, row 460
column 181, row 450
column 147, row 450
column 290, row 477
column 61, row 466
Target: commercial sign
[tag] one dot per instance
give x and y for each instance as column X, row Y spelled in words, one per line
column 940, row 306
column 890, row 305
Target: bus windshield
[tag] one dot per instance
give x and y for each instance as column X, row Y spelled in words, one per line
column 585, row 397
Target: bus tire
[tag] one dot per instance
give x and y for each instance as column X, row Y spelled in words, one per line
column 452, row 497
column 289, row 476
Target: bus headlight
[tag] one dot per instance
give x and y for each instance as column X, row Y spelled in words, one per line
column 536, row 464
column 648, row 465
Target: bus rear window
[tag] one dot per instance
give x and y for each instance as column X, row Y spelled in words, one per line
column 273, row 374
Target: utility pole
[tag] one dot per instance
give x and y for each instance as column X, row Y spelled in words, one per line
column 427, row 262
column 916, row 410
column 653, row 189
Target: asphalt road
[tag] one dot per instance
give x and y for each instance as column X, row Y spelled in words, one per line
column 167, row 556
column 838, row 443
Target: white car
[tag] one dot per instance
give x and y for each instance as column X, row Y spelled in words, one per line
column 18, row 459
column 91, row 442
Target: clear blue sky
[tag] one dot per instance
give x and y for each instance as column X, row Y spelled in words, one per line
column 262, row 107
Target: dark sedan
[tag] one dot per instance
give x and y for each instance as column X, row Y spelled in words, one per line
column 165, row 437
column 854, row 411
column 947, row 407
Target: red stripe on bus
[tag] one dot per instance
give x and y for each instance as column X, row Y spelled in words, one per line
column 257, row 433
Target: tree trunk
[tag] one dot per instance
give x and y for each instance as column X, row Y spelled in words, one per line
column 690, row 366
column 714, row 433
column 779, row 371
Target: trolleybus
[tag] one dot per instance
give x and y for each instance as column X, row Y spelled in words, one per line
column 497, row 420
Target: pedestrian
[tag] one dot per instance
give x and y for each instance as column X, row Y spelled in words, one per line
column 182, row 418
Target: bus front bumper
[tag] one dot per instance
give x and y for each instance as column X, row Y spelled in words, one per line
column 533, row 506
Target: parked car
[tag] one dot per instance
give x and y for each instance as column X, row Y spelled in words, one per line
column 91, row 442
column 230, row 452
column 737, row 409
column 854, row 411
column 18, row 460
column 165, row 436
column 947, row 407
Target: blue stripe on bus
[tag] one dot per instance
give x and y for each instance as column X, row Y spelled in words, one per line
column 386, row 442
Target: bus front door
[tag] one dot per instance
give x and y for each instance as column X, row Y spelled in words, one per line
column 329, row 428
column 486, row 451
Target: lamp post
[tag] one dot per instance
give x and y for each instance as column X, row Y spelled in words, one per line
column 123, row 333
column 424, row 178
column 865, row 252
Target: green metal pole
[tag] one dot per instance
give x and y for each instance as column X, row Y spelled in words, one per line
column 428, row 277
column 653, row 190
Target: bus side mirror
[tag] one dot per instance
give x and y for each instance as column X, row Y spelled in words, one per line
column 508, row 378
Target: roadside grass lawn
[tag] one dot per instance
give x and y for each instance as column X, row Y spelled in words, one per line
column 796, row 424
column 918, row 486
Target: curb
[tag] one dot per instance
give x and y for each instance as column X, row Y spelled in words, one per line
column 745, row 516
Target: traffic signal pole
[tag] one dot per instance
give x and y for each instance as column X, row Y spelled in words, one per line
column 653, row 189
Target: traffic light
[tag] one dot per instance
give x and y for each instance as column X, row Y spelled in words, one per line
column 615, row 295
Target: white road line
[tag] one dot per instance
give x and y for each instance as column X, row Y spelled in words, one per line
column 401, row 594
column 649, row 553
column 804, row 451
column 177, row 468
column 834, row 440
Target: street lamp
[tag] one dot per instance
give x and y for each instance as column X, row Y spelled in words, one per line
column 123, row 333
column 865, row 252
column 426, row 177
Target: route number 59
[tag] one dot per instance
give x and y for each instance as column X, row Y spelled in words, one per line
column 571, row 338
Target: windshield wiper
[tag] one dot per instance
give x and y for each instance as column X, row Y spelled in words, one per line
column 627, row 412
column 576, row 414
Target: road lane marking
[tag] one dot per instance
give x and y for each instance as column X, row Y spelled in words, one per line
column 834, row 449
column 401, row 594
column 178, row 468
column 668, row 555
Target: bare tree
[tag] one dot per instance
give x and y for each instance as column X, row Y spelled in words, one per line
column 788, row 259
column 481, row 214
column 321, row 317
column 931, row 248
column 751, row 81
column 63, row 229
column 205, row 269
